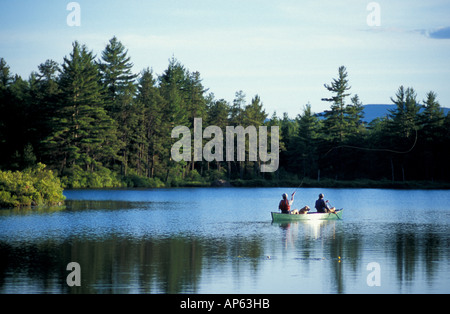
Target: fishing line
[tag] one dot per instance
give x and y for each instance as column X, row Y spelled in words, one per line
column 378, row 149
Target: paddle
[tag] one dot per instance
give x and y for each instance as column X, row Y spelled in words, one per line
column 334, row 210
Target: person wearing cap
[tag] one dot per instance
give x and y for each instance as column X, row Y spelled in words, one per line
column 285, row 206
column 322, row 205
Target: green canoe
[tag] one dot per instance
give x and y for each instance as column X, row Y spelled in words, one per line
column 278, row 217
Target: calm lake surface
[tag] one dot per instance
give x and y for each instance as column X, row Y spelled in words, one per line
column 222, row 240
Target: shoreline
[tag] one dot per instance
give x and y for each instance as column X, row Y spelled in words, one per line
column 325, row 183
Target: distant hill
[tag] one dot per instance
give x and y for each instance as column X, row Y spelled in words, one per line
column 371, row 112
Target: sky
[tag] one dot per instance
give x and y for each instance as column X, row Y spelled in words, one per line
column 282, row 50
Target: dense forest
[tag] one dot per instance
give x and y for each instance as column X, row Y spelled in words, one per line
column 95, row 123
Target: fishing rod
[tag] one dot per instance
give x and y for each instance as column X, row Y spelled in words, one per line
column 299, row 186
column 296, row 188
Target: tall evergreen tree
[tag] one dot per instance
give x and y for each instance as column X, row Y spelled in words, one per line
column 84, row 136
column 195, row 97
column 172, row 85
column 433, row 115
column 288, row 130
column 354, row 115
column 195, row 101
column 153, row 121
column 237, row 119
column 119, row 86
column 5, row 74
column 117, row 77
column 15, row 129
column 237, row 108
column 403, row 127
column 303, row 154
column 335, row 119
column 5, row 79
column 217, row 113
column 405, row 115
column 46, row 93
column 431, row 141
column 254, row 115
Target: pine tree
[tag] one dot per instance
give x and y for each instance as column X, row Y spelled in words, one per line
column 335, row 119
column 237, row 108
column 16, row 127
column 433, row 115
column 5, row 79
column 254, row 115
column 403, row 127
column 431, row 141
column 405, row 115
column 217, row 115
column 195, row 97
column 303, row 154
column 117, row 77
column 195, row 102
column 5, row 75
column 14, row 117
column 172, row 85
column 149, row 96
column 84, row 136
column 119, row 86
column 336, row 126
column 45, row 94
column 354, row 115
column 288, row 130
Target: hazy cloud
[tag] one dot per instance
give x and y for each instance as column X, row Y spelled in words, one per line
column 440, row 33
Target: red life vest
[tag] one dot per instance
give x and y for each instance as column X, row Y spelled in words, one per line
column 284, row 205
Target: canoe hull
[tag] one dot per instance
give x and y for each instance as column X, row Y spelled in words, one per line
column 277, row 217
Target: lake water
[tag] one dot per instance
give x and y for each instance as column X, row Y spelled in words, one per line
column 222, row 240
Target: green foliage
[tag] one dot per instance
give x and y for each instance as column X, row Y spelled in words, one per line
column 135, row 181
column 76, row 177
column 34, row 186
column 83, row 134
column 336, row 124
column 99, row 125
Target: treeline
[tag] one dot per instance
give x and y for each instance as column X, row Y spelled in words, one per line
column 410, row 143
column 97, row 124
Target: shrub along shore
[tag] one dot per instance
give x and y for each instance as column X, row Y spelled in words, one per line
column 35, row 186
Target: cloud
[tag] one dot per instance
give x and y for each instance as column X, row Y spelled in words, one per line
column 440, row 33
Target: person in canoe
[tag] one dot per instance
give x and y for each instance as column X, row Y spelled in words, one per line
column 285, row 206
column 322, row 205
